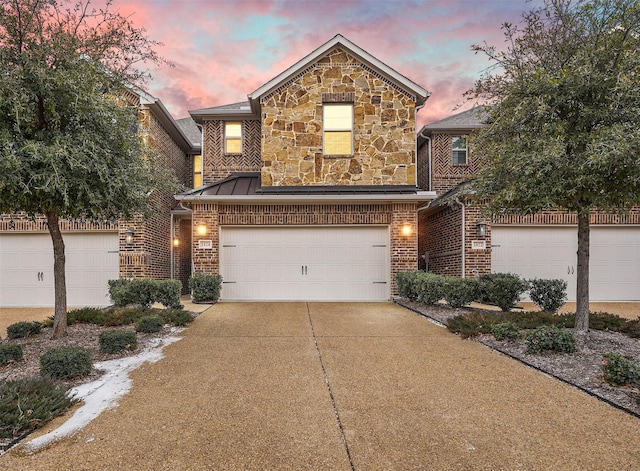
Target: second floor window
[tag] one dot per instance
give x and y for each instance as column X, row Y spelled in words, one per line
column 197, row 171
column 233, row 138
column 338, row 129
column 459, row 150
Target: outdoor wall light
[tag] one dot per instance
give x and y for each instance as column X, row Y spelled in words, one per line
column 407, row 230
column 481, row 229
column 128, row 236
column 202, row 229
column 176, row 242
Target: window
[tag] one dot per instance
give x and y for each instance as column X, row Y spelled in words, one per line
column 459, row 150
column 233, row 138
column 338, row 129
column 197, row 171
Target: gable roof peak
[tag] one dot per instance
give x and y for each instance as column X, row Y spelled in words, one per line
column 363, row 56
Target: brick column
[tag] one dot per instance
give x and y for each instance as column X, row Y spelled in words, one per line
column 205, row 259
column 404, row 247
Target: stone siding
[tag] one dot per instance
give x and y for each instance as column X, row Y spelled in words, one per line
column 384, row 128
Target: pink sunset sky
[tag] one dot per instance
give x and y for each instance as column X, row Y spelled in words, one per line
column 223, row 50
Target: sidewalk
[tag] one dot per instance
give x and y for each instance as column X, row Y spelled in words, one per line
column 341, row 386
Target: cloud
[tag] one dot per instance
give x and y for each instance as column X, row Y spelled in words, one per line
column 225, row 49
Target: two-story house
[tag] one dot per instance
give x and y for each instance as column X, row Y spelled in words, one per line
column 457, row 239
column 309, row 187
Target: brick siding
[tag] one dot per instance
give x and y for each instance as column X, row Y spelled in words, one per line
column 402, row 251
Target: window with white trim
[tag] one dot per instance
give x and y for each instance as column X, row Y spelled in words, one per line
column 337, row 125
column 459, row 156
column 232, row 137
column 197, row 171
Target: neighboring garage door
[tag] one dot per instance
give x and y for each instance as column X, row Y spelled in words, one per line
column 550, row 252
column 26, row 269
column 305, row 263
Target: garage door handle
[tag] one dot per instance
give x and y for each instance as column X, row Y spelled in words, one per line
column 379, row 282
column 304, row 269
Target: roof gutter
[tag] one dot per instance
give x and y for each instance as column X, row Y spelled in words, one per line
column 419, row 197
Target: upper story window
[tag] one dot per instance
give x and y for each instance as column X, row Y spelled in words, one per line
column 233, row 138
column 338, row 128
column 459, row 150
column 197, row 171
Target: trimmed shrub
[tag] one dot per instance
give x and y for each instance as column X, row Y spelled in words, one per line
column 550, row 339
column 150, row 324
column 143, row 292
column 631, row 328
column 23, row 329
column 501, row 289
column 459, row 292
column 116, row 340
column 10, row 352
column 548, row 295
column 124, row 316
column 620, row 369
column 28, row 404
column 430, row 288
column 407, row 284
column 65, row 362
column 205, row 287
column 177, row 317
column 120, row 291
column 505, row 331
column 168, row 293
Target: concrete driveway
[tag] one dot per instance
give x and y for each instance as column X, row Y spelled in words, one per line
column 341, row 386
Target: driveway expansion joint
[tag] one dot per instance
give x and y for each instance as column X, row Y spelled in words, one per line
column 331, row 397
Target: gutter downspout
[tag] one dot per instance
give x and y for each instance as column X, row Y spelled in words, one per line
column 464, row 268
column 428, row 155
column 201, row 127
column 172, row 235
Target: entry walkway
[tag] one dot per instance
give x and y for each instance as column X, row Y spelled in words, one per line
column 367, row 386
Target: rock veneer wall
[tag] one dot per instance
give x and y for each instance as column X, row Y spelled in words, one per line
column 384, row 128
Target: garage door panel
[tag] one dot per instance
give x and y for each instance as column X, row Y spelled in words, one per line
column 304, row 263
column 26, row 269
column 551, row 252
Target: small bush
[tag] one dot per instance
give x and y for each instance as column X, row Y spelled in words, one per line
column 65, row 362
column 501, row 289
column 88, row 315
column 177, row 317
column 469, row 325
column 459, row 292
column 143, row 292
column 168, row 293
column 205, row 287
column 548, row 295
column 120, row 291
column 620, row 369
column 10, row 352
column 116, row 340
column 23, row 329
column 631, row 328
column 430, row 288
column 407, row 282
column 124, row 316
column 505, row 331
column 28, row 404
column 550, row 339
column 150, row 324
column 605, row 321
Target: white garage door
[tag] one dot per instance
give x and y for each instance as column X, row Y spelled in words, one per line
column 26, row 269
column 305, row 263
column 550, row 252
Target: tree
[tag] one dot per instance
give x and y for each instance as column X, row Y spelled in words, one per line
column 68, row 141
column 563, row 108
